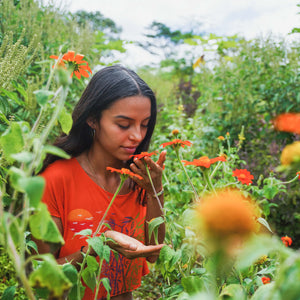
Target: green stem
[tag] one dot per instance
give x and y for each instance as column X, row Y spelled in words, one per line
column 287, row 182
column 207, row 180
column 186, row 174
column 123, row 178
column 98, row 279
column 154, row 190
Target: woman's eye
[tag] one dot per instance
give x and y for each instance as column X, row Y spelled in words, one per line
column 145, row 125
column 123, row 126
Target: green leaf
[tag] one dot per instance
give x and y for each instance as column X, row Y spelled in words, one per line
column 266, row 292
column 192, row 284
column 265, row 223
column 12, row 140
column 97, row 244
column 34, row 188
column 43, row 96
column 233, row 292
column 55, row 151
column 50, row 275
column 89, row 273
column 84, row 232
column 153, row 224
column 9, row 293
column 65, row 121
column 105, row 282
column 43, row 227
column 25, row 157
column 166, row 254
column 71, row 272
column 106, row 253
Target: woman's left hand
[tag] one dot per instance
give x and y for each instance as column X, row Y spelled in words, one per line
column 155, row 168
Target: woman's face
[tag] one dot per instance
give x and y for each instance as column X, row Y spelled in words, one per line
column 122, row 127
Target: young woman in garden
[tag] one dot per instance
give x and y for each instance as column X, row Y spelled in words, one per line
column 113, row 120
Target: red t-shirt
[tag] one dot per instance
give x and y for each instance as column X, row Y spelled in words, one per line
column 80, row 203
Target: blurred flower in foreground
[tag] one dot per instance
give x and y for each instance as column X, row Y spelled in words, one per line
column 227, row 214
column 221, row 138
column 288, row 122
column 80, row 67
column 290, row 154
column 243, row 175
column 287, row 240
column 265, row 280
column 204, row 161
column 298, row 173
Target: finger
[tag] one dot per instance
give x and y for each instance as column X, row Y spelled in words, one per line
column 162, row 158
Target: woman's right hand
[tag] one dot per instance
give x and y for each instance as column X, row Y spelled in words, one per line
column 131, row 247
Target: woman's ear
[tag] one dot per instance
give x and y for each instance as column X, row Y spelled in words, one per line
column 91, row 122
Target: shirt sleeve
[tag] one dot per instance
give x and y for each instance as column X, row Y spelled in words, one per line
column 52, row 193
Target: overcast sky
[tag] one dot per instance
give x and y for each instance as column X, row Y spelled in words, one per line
column 249, row 18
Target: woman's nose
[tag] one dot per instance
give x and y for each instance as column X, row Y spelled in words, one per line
column 136, row 134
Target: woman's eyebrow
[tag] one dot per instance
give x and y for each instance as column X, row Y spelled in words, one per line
column 128, row 118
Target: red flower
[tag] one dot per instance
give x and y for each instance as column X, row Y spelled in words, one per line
column 287, row 240
column 289, row 122
column 204, row 161
column 265, row 280
column 124, row 171
column 177, row 142
column 79, row 67
column 298, row 173
column 243, row 175
column 143, row 154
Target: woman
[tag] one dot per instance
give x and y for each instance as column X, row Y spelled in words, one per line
column 113, row 120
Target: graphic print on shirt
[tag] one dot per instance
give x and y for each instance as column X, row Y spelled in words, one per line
column 80, row 219
column 119, row 267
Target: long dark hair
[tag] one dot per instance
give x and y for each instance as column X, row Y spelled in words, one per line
column 106, row 86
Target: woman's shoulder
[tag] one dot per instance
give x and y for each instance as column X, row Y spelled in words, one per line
column 61, row 167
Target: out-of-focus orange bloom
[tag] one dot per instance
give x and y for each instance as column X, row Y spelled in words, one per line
column 175, row 132
column 227, row 214
column 288, row 122
column 221, row 138
column 287, row 240
column 80, row 67
column 177, row 142
column 298, row 173
column 243, row 175
column 124, row 171
column 290, row 153
column 204, row 161
column 265, row 280
column 143, row 154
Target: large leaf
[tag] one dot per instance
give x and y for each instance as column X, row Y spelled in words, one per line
column 65, row 121
column 12, row 140
column 51, row 276
column 43, row 227
column 192, row 284
column 233, row 292
column 34, row 188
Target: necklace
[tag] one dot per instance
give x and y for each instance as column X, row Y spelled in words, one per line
column 91, row 167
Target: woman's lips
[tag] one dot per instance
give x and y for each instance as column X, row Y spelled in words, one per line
column 129, row 150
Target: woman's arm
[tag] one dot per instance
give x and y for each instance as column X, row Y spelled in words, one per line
column 154, row 207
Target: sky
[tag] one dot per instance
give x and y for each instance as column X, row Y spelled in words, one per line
column 248, row 18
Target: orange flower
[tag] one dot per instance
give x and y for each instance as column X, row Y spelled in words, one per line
column 143, row 154
column 227, row 214
column 298, row 173
column 288, row 122
column 243, row 175
column 265, row 280
column 124, row 171
column 80, row 67
column 221, row 138
column 177, row 142
column 204, row 161
column 287, row 240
